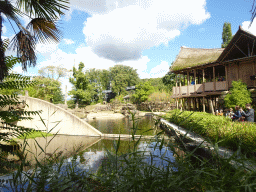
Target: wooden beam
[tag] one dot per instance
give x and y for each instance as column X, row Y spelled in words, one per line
column 176, row 77
column 180, row 85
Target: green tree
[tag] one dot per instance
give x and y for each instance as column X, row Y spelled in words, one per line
column 80, row 85
column 142, row 92
column 226, row 34
column 41, row 28
column 239, row 95
column 121, row 77
column 47, row 89
column 169, row 80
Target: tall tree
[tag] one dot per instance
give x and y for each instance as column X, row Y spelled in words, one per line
column 121, row 77
column 42, row 28
column 226, row 34
column 169, row 80
column 80, row 85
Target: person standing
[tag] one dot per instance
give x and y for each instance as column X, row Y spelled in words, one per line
column 237, row 114
column 249, row 114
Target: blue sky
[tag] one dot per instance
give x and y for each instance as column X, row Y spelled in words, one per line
column 144, row 34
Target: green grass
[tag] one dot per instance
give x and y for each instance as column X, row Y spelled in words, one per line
column 34, row 134
column 218, row 129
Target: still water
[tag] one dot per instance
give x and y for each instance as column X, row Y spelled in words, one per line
column 90, row 151
column 124, row 125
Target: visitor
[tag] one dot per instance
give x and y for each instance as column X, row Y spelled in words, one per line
column 192, row 82
column 249, row 114
column 237, row 114
column 221, row 113
column 217, row 112
column 230, row 113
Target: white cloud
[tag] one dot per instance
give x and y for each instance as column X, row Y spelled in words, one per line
column 4, row 29
column 252, row 29
column 160, row 70
column 122, row 31
column 46, row 49
column 68, row 41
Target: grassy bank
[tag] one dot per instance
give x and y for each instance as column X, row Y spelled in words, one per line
column 217, row 129
column 34, row 134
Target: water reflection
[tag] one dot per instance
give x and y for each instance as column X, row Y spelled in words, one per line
column 122, row 126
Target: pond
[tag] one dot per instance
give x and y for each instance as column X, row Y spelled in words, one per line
column 90, row 151
column 124, row 125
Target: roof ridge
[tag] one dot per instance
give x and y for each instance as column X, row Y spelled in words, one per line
column 200, row 48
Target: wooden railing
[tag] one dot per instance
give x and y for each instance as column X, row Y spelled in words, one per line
column 198, row 88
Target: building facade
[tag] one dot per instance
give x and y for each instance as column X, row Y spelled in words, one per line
column 204, row 76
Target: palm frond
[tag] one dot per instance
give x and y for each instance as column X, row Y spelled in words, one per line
column 44, row 30
column 24, row 44
column 48, row 9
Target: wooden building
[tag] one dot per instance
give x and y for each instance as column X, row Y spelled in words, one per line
column 203, row 76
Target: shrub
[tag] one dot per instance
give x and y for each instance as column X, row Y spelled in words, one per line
column 218, row 129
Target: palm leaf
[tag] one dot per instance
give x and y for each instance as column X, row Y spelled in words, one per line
column 24, row 44
column 48, row 9
column 44, row 30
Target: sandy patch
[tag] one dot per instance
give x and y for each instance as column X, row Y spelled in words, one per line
column 105, row 115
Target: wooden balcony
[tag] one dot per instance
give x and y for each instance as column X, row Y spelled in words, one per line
column 199, row 88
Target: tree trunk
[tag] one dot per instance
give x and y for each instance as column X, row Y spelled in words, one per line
column 3, row 69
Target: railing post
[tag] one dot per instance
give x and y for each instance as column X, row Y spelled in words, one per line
column 214, row 79
column 176, row 88
column 203, row 81
column 195, row 80
column 180, row 85
column 188, row 93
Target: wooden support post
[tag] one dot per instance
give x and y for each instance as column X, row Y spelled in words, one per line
column 211, row 106
column 194, row 104
column 189, row 103
column 177, row 103
column 203, row 104
column 203, row 81
column 226, row 74
column 254, row 82
column 197, row 104
column 214, row 79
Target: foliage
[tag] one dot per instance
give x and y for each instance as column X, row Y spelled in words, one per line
column 169, row 80
column 46, row 89
column 160, row 97
column 157, row 83
column 220, row 130
column 226, row 34
column 137, row 170
column 11, row 108
column 142, row 91
column 121, row 77
column 239, row 95
column 54, row 72
column 80, row 85
column 42, row 28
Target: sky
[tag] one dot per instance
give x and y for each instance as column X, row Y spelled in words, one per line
column 144, row 34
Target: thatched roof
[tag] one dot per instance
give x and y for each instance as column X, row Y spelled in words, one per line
column 190, row 57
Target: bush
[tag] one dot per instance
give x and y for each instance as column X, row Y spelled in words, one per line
column 160, row 97
column 218, row 129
